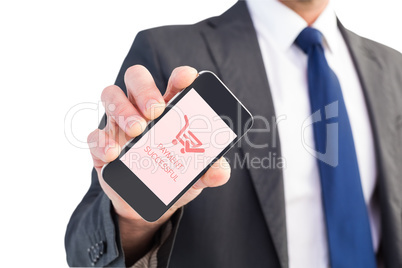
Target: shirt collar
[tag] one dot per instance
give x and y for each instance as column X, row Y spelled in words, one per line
column 284, row 25
column 327, row 24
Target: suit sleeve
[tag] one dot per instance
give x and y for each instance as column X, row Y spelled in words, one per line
column 92, row 237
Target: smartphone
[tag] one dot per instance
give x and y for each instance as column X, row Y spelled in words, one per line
column 198, row 126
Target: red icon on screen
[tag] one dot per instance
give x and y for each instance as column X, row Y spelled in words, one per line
column 187, row 138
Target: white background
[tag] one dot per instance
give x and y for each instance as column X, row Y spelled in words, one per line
column 55, row 55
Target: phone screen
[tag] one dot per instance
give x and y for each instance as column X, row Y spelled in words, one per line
column 179, row 146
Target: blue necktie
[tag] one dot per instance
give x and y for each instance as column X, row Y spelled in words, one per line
column 348, row 228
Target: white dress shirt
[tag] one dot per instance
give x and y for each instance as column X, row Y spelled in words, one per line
column 277, row 27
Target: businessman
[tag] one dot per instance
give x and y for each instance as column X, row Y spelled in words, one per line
column 328, row 120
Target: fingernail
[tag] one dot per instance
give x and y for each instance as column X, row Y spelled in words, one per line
column 107, row 148
column 194, row 71
column 111, row 147
column 151, row 103
column 154, row 108
column 137, row 127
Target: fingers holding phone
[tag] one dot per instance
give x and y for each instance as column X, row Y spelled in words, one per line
column 158, row 171
column 128, row 117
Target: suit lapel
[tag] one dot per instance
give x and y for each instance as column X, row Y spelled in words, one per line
column 234, row 48
column 379, row 91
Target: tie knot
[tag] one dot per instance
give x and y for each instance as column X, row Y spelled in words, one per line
column 308, row 38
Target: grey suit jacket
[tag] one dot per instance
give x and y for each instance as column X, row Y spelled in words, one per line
column 242, row 224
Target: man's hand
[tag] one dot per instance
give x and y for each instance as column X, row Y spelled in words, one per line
column 127, row 118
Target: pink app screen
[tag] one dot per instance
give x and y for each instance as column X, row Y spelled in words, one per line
column 179, row 146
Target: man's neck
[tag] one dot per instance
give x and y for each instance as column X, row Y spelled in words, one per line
column 309, row 10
